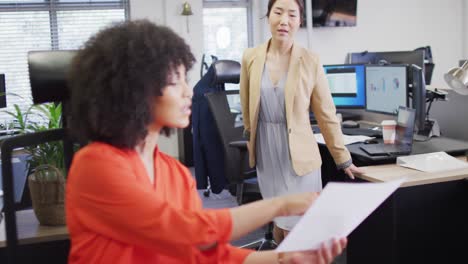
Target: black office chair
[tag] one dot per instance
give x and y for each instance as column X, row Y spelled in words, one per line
column 48, row 74
column 235, row 165
column 237, row 171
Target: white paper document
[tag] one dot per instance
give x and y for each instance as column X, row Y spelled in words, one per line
column 338, row 210
column 347, row 139
column 432, row 162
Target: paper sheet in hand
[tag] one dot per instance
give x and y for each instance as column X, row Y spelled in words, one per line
column 338, row 210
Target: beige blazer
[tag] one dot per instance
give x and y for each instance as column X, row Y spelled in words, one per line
column 306, row 89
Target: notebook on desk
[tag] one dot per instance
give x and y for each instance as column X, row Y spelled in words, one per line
column 403, row 136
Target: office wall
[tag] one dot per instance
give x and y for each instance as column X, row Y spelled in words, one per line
column 465, row 29
column 451, row 116
column 384, row 25
column 167, row 12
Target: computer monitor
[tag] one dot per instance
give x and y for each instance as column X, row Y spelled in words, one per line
column 20, row 173
column 418, row 99
column 364, row 57
column 386, row 88
column 2, row 91
column 347, row 85
column 391, row 57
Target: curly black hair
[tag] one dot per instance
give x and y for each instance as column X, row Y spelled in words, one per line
column 115, row 78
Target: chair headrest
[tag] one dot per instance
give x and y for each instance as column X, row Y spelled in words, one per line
column 48, row 72
column 226, row 71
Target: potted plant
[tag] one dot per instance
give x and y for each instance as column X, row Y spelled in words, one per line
column 46, row 166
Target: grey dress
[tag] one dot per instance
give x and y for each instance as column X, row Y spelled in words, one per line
column 274, row 168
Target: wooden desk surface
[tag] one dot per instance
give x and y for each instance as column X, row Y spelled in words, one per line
column 29, row 230
column 388, row 172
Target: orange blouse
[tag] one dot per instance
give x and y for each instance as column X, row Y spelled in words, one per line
column 115, row 215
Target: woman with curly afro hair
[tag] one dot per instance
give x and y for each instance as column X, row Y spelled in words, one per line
column 126, row 201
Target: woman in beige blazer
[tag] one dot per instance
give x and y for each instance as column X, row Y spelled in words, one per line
column 280, row 83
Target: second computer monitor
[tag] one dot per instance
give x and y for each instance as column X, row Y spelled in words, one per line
column 386, row 88
column 347, row 85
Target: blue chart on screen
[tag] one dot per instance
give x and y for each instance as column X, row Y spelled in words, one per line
column 347, row 85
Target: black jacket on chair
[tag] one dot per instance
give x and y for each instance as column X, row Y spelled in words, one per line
column 208, row 154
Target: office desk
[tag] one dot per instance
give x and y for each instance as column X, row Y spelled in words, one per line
column 36, row 242
column 424, row 221
column 453, row 147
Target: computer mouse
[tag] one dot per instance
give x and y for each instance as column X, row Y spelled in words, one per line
column 350, row 124
column 371, row 141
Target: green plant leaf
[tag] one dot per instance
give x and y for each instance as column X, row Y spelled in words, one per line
column 46, row 116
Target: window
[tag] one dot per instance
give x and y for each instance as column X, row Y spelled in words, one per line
column 226, row 29
column 27, row 25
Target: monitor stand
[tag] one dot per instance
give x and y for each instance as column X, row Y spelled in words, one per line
column 431, row 129
column 345, row 116
column 348, row 115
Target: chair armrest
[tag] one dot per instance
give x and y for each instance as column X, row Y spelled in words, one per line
column 240, row 144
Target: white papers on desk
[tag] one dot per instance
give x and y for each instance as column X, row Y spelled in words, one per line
column 338, row 210
column 347, row 139
column 431, row 162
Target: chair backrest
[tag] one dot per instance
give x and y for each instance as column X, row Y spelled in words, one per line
column 48, row 72
column 227, row 131
column 226, row 71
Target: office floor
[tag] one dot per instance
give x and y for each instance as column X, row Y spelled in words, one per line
column 226, row 200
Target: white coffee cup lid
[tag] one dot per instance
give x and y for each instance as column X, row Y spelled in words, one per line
column 388, row 123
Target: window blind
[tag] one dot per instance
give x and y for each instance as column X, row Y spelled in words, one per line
column 28, row 25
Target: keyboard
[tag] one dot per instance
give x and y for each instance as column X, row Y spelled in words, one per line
column 384, row 150
column 362, row 132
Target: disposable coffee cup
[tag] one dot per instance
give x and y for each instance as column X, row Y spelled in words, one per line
column 388, row 131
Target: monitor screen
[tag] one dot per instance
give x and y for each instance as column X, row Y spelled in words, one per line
column 347, row 85
column 386, row 88
column 20, row 173
column 2, row 91
column 334, row 13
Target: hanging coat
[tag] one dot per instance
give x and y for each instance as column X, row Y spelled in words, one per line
column 208, row 153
